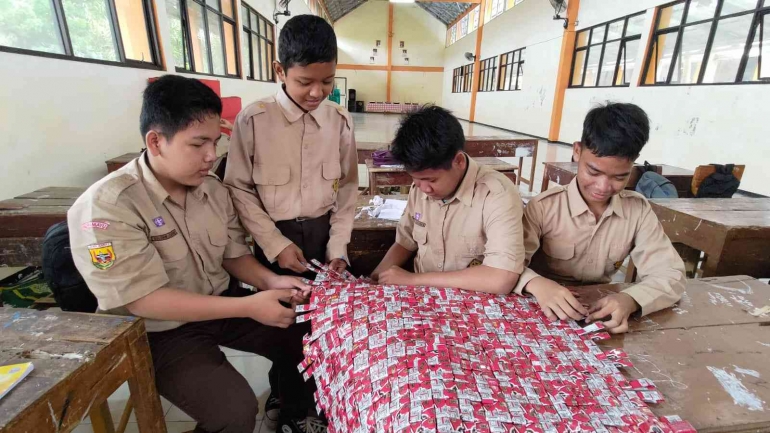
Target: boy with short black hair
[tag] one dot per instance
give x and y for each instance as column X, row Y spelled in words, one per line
column 589, row 227
column 292, row 167
column 159, row 239
column 462, row 220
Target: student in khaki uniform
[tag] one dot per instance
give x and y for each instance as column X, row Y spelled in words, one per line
column 462, row 220
column 589, row 227
column 292, row 167
column 159, row 239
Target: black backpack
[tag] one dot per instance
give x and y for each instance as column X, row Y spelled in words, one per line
column 720, row 184
column 653, row 185
column 59, row 271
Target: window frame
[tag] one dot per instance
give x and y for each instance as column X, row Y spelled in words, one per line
column 623, row 42
column 247, row 44
column 60, row 20
column 187, row 38
column 509, row 70
column 462, row 78
column 488, row 74
column 759, row 12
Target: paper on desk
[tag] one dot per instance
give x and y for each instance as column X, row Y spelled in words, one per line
column 388, row 209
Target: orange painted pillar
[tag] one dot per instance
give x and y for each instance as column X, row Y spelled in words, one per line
column 390, row 48
column 476, row 64
column 565, row 66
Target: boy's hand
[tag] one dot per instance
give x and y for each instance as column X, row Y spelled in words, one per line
column 338, row 265
column 556, row 301
column 287, row 282
column 396, row 276
column 291, row 258
column 618, row 307
column 265, row 308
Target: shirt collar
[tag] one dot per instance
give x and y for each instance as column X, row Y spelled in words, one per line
column 156, row 190
column 467, row 186
column 578, row 206
column 291, row 110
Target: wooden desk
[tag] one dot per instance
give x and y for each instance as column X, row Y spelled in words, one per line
column 688, row 349
column 25, row 219
column 396, row 176
column 371, row 237
column 734, row 233
column 563, row 172
column 80, row 360
column 115, row 163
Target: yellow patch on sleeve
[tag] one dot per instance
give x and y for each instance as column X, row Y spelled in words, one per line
column 102, row 255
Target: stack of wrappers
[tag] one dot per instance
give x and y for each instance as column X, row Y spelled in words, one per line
column 426, row 359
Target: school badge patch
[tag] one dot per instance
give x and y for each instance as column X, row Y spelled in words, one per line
column 618, row 265
column 336, row 185
column 102, row 255
column 474, row 263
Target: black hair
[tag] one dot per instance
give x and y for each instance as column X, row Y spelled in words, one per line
column 306, row 39
column 616, row 129
column 428, row 139
column 172, row 102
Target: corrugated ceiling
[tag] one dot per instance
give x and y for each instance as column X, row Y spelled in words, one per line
column 444, row 12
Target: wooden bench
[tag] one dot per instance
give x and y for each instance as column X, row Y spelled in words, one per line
column 397, row 176
column 118, row 162
column 80, row 360
column 563, row 172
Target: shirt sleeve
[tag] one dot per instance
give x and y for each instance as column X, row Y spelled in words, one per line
column 117, row 262
column 342, row 218
column 532, row 223
column 239, row 180
column 405, row 226
column 660, row 268
column 502, row 215
column 236, row 234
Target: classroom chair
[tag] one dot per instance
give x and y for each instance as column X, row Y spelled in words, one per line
column 704, row 171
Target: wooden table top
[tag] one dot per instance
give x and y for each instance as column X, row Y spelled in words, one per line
column 707, row 355
column 365, row 222
column 491, row 162
column 733, row 212
column 58, row 344
column 123, row 159
column 667, row 170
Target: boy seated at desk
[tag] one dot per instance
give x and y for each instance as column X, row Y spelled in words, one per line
column 462, row 220
column 159, row 239
column 589, row 227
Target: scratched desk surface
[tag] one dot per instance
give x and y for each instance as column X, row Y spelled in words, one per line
column 708, row 356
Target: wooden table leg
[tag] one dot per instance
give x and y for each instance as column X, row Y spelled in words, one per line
column 630, row 271
column 521, row 166
column 544, row 185
column 534, row 165
column 101, row 419
column 149, row 413
column 372, row 184
column 126, row 416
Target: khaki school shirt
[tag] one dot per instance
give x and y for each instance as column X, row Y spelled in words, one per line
column 129, row 238
column 285, row 163
column 565, row 243
column 480, row 224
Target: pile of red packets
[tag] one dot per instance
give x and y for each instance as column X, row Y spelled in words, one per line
column 426, row 359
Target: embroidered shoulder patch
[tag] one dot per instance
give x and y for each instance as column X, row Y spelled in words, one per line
column 102, row 255
column 165, row 236
column 101, row 225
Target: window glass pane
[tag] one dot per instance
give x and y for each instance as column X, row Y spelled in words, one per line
column 611, row 51
column 200, row 46
column 727, row 49
column 628, row 62
column 520, row 78
column 577, row 71
column 244, row 16
column 254, row 20
column 690, row 58
column 671, row 16
column 582, row 38
column 508, row 75
column 133, row 29
column 178, row 37
column 522, row 55
column 269, row 32
column 615, row 30
column 664, row 51
column 733, row 6
column 90, row 29
column 597, row 35
column 227, row 8
column 262, row 27
column 263, row 50
column 245, row 52
column 217, row 44
column 232, row 67
column 30, row 25
column 255, row 57
column 214, row 4
column 635, row 25
column 592, row 67
column 765, row 72
column 270, row 60
column 701, row 10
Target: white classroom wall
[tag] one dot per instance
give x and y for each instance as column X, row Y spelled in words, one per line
column 454, row 57
column 61, row 119
column 423, row 36
column 690, row 125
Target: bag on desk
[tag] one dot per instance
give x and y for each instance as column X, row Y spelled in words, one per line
column 720, row 184
column 653, row 185
column 383, row 157
column 59, row 271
